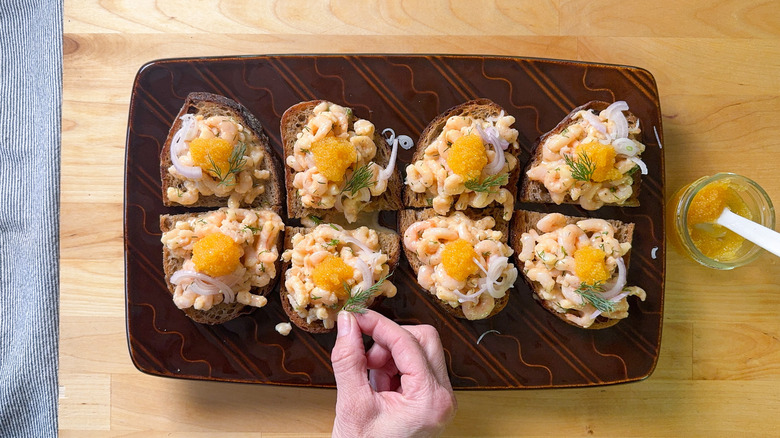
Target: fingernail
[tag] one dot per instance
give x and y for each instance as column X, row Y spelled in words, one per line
column 344, row 324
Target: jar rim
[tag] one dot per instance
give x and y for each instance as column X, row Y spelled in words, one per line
column 682, row 219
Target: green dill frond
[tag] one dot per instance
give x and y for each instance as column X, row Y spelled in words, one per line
column 582, row 168
column 315, row 219
column 488, row 183
column 235, row 165
column 360, row 179
column 358, row 302
column 592, row 294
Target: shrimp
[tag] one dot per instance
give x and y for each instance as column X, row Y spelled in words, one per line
column 528, row 240
column 228, row 130
column 440, row 234
column 596, row 226
column 558, row 181
column 551, row 222
column 413, row 233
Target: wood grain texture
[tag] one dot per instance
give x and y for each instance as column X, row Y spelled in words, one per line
column 716, row 64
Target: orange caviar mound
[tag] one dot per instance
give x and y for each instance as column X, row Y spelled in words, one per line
column 216, row 255
column 333, row 156
column 457, row 257
column 603, row 157
column 713, row 240
column 212, row 155
column 331, row 274
column 467, row 156
column 590, row 265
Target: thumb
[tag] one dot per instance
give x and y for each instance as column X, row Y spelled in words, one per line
column 349, row 355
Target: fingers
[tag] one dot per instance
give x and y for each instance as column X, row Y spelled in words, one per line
column 385, row 378
column 406, row 351
column 377, row 356
column 430, row 342
column 348, row 356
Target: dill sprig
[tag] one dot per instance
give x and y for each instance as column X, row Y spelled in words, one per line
column 235, row 165
column 582, row 168
column 486, row 184
column 315, row 219
column 360, row 179
column 358, row 302
column 592, row 294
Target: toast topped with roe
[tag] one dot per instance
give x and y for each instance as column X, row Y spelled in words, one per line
column 217, row 154
column 465, row 158
column 591, row 158
column 336, row 163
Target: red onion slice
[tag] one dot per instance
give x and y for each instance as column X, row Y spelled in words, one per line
column 365, row 271
column 203, row 284
column 617, row 286
column 387, row 172
column 594, row 121
column 473, row 298
column 640, row 163
column 625, row 146
column 614, row 113
column 184, row 133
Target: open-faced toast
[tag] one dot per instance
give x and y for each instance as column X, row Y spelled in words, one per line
column 231, row 162
column 560, row 172
column 545, row 254
column 474, row 148
column 306, row 195
column 256, row 231
column 409, row 225
column 330, row 238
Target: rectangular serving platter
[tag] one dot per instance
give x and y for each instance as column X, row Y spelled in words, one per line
column 521, row 347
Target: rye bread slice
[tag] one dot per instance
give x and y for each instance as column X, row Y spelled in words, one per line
column 221, row 312
column 293, row 122
column 407, row 217
column 536, row 192
column 524, row 221
column 478, row 109
column 389, row 243
column 207, row 105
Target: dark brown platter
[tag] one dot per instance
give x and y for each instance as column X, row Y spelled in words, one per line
column 522, row 347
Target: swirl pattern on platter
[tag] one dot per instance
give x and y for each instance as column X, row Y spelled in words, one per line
column 534, row 350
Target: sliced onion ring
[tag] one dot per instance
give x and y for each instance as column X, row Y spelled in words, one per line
column 625, row 146
column 387, row 172
column 184, row 133
column 640, row 163
column 204, row 284
column 614, row 113
column 594, row 121
column 619, row 283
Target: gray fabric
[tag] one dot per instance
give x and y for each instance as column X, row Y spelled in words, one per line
column 30, row 108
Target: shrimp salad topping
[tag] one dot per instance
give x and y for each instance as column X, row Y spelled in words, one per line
column 463, row 262
column 333, row 163
column 329, row 265
column 226, row 253
column 579, row 268
column 217, row 156
column 593, row 160
column 466, row 165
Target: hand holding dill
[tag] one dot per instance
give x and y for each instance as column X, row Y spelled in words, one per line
column 358, row 302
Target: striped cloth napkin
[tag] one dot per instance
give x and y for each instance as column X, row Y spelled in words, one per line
column 30, row 108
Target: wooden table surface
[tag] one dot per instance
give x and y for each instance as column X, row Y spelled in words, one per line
column 717, row 66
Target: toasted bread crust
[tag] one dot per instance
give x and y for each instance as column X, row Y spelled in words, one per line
column 536, row 192
column 221, row 312
column 407, row 217
column 208, row 104
column 293, row 121
column 389, row 243
column 479, row 109
column 523, row 221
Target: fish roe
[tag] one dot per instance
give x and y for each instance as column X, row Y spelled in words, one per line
column 590, row 265
column 216, row 255
column 212, row 155
column 467, row 156
column 457, row 257
column 603, row 157
column 333, row 156
column 331, row 274
column 713, row 240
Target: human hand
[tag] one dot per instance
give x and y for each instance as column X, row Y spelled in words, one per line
column 407, row 391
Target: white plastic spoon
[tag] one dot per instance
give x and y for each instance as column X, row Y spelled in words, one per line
column 760, row 235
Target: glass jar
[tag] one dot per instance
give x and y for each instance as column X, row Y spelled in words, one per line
column 754, row 197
